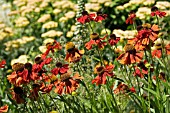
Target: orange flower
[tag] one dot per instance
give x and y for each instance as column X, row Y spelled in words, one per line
column 157, row 53
column 4, row 109
column 51, row 47
column 167, row 48
column 146, row 35
column 102, row 73
column 73, row 54
column 67, row 84
column 130, row 56
column 19, row 76
column 123, row 88
column 46, row 88
column 96, row 40
column 2, row 64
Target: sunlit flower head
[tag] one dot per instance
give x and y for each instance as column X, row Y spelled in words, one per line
column 130, row 55
column 72, row 53
column 67, row 84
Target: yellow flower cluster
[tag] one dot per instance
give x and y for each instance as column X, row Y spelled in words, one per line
column 52, row 34
column 50, row 24
column 128, row 34
column 5, row 31
column 18, row 42
column 21, row 22
column 44, row 18
column 132, row 3
column 163, row 4
column 143, row 12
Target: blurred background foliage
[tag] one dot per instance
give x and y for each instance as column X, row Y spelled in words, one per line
column 27, row 25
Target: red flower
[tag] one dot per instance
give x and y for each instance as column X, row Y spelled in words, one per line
column 60, row 68
column 4, row 109
column 96, row 40
column 2, row 64
column 130, row 56
column 51, row 47
column 67, row 84
column 102, row 73
column 132, row 89
column 156, row 12
column 131, row 18
column 113, row 39
column 85, row 18
column 100, row 17
column 40, row 62
column 73, row 54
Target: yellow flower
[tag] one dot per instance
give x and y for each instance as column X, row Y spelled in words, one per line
column 63, row 19
column 44, row 18
column 69, row 34
column 73, row 28
column 21, row 22
column 50, row 24
column 52, row 33
column 103, row 32
column 48, row 40
column 70, row 14
column 21, row 59
column 56, row 11
column 42, row 49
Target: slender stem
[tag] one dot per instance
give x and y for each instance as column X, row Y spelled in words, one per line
column 91, row 27
column 157, row 19
column 53, row 102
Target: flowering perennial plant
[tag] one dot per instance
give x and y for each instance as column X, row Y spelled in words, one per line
column 62, row 79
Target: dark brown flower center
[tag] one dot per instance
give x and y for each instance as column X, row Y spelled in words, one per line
column 94, row 36
column 38, row 60
column 84, row 13
column 18, row 90
column 65, row 76
column 154, row 8
column 113, row 36
column 100, row 69
column 129, row 48
column 59, row 64
column 18, row 67
column 28, row 66
column 35, row 85
column 50, row 44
